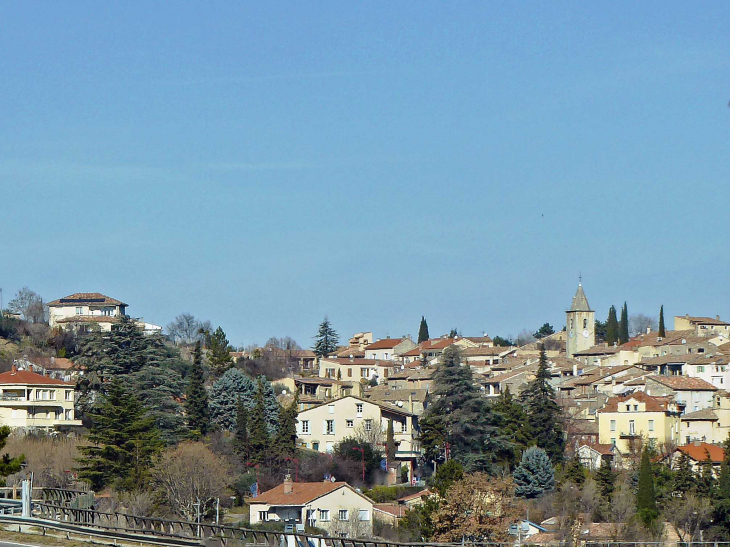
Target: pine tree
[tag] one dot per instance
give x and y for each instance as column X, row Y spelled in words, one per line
column 453, row 333
column 271, row 406
column 535, row 474
column 705, row 478
column 606, row 480
column 457, row 415
column 259, row 437
column 233, row 386
column 511, row 422
column 662, row 332
column 543, row 412
column 575, row 472
column 125, row 441
column 684, row 479
column 196, row 401
column 612, row 327
column 623, row 327
column 646, row 507
column 423, row 330
column 285, row 439
column 8, row 465
column 242, row 441
column 326, row 340
column 219, row 352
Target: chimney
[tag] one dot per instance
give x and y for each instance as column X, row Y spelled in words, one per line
column 648, row 329
column 288, row 484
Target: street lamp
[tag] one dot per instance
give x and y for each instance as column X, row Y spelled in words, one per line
column 362, row 451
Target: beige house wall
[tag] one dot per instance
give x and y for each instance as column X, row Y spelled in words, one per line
column 664, row 429
column 37, row 407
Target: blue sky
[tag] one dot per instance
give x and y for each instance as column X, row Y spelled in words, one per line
column 263, row 164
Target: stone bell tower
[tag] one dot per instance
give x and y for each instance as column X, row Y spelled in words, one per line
column 580, row 323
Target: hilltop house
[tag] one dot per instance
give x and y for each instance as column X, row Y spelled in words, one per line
column 388, row 348
column 80, row 310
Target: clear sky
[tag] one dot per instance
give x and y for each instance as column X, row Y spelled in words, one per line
column 262, row 164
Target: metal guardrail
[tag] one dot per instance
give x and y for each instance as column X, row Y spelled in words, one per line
column 45, row 525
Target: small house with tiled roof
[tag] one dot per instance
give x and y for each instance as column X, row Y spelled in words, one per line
column 626, row 420
column 335, row 507
column 593, row 455
column 705, row 426
column 698, row 452
column 702, row 326
column 389, row 348
column 355, row 369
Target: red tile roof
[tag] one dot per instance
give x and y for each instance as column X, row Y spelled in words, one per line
column 683, row 383
column 301, row 494
column 605, row 449
column 89, row 319
column 28, row 378
column 87, row 298
column 386, row 343
column 394, row 509
column 699, row 453
column 653, row 404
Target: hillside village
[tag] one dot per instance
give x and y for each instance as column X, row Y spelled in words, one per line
column 374, row 437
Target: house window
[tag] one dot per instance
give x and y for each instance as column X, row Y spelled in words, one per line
column 368, row 425
column 364, row 373
column 343, row 514
column 632, row 427
column 69, row 395
column 363, row 515
column 324, row 515
column 700, row 368
column 651, row 425
column 628, row 408
column 403, row 427
column 386, row 356
column 315, row 446
column 329, row 427
column 358, row 409
column 613, row 425
column 350, row 423
column 263, row 516
column 349, row 372
column 305, row 427
column 329, row 373
column 585, row 323
column 79, row 310
column 636, row 408
column 331, row 409
column 69, row 415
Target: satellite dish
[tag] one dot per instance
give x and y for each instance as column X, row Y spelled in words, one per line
column 283, row 392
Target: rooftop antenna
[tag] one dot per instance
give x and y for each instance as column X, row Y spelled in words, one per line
column 580, row 279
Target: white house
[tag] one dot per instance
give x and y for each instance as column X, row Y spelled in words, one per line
column 83, row 309
column 690, row 394
column 333, row 506
column 388, row 349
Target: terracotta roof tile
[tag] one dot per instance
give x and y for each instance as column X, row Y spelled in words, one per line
column 301, row 494
column 386, row 343
column 683, row 383
column 28, row 378
column 699, row 453
column 93, row 298
column 653, row 404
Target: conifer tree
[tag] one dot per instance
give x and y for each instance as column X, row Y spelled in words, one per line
column 8, row 465
column 721, row 504
column 234, row 386
column 575, row 472
column 285, row 440
column 125, row 441
column 684, row 479
column 606, row 480
column 662, row 332
column 390, row 442
column 646, row 507
column 612, row 327
column 219, row 352
column 511, row 422
column 325, row 343
column 543, row 412
column 196, row 401
column 535, row 474
column 423, row 330
column 259, row 437
column 623, row 328
column 705, row 477
column 241, row 441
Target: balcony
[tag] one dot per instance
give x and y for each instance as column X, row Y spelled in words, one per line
column 630, row 435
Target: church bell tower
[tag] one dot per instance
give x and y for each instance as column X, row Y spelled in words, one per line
column 580, row 323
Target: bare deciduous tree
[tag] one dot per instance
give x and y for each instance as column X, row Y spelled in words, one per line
column 188, row 473
column 186, row 329
column 688, row 515
column 29, row 305
column 638, row 323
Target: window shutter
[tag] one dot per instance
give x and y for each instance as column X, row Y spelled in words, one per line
column 324, row 427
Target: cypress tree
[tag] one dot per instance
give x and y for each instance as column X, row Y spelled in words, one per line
column 662, row 332
column 259, row 431
column 125, row 441
column 241, row 441
column 535, row 474
column 423, row 330
column 543, row 412
column 219, row 352
column 390, row 442
column 326, row 340
column 623, row 328
column 196, row 401
column 606, row 480
column 646, row 497
column 612, row 327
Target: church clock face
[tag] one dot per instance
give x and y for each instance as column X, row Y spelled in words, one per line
column 585, row 333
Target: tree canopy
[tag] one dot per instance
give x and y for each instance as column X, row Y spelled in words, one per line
column 325, row 343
